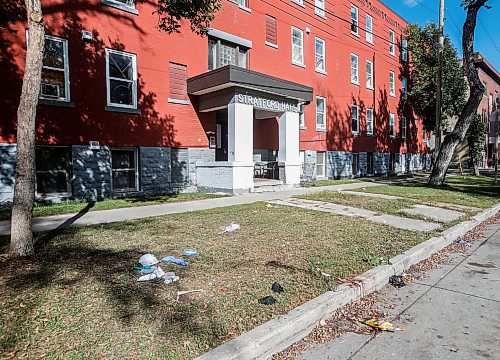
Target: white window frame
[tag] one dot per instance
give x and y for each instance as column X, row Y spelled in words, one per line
column 133, row 81
column 404, row 50
column 302, row 116
column 404, row 88
column 319, row 8
column 369, row 75
column 354, row 106
column 392, row 125
column 130, row 3
column 136, row 163
column 323, row 165
column 392, row 42
column 370, row 122
column 354, row 81
column 321, row 127
column 322, row 55
column 66, row 70
column 392, row 83
column 301, row 46
column 299, row 2
column 354, row 20
column 404, row 127
column 369, row 28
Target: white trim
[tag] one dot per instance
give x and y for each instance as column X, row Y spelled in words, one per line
column 369, row 31
column 323, row 55
column 299, row 2
column 356, row 82
column 323, row 165
column 133, row 81
column 65, row 70
column 369, row 86
column 370, row 133
column 178, row 101
column 319, row 126
column 219, row 34
column 404, row 50
column 356, row 19
column 392, row 85
column 392, row 42
column 392, row 125
column 319, row 8
column 136, row 163
column 271, row 44
column 301, row 63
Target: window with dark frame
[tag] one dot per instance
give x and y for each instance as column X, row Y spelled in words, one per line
column 54, row 83
column 355, row 164
column 392, row 125
column 222, row 53
column 271, row 30
column 121, row 76
column 392, row 163
column 355, row 119
column 354, row 19
column 124, row 170
column 369, row 163
column 52, row 165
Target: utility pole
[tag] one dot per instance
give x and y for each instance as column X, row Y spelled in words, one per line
column 439, row 93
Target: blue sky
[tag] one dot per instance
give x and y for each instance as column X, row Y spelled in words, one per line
column 423, row 11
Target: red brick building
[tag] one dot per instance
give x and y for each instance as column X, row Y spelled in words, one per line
column 280, row 89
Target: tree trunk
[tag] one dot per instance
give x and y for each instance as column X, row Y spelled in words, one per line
column 24, row 188
column 452, row 140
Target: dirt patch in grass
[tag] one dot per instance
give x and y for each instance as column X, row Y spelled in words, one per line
column 78, row 296
column 75, row 206
column 329, row 182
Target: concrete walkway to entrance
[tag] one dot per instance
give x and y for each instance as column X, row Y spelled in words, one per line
column 452, row 314
column 391, row 220
column 109, row 216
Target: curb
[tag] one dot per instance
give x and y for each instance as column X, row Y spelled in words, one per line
column 284, row 330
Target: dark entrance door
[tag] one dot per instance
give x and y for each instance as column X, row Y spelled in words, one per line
column 221, row 135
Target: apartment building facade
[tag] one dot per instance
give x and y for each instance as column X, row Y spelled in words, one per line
column 315, row 88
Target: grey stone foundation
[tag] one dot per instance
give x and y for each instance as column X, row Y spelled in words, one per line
column 155, row 170
column 7, row 171
column 91, row 178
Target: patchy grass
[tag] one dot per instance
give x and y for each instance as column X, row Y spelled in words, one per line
column 329, row 182
column 78, row 296
column 477, row 191
column 74, row 206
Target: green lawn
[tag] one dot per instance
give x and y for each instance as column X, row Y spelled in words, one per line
column 332, row 182
column 74, row 206
column 477, row 191
column 78, row 296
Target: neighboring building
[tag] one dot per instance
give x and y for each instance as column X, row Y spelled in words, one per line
column 283, row 89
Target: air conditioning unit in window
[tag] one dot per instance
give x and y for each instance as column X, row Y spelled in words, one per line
column 94, row 145
column 50, row 90
column 87, row 35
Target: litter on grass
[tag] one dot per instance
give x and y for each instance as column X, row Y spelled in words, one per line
column 397, row 281
column 174, row 260
column 277, row 288
column 230, row 228
column 181, row 293
column 464, row 243
column 170, row 277
column 148, row 260
column 382, row 325
column 156, row 274
column 268, row 300
column 189, row 253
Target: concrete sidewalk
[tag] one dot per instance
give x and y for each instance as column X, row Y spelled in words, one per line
column 452, row 314
column 109, row 216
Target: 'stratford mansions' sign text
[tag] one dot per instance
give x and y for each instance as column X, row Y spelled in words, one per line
column 265, row 103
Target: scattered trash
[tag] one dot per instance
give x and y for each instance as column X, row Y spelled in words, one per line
column 464, row 243
column 170, row 277
column 189, row 253
column 269, row 206
column 268, row 300
column 180, row 293
column 353, row 283
column 156, row 274
column 148, row 260
column 277, row 288
column 173, row 259
column 375, row 260
column 230, row 228
column 382, row 325
column 397, row 281
column 223, row 289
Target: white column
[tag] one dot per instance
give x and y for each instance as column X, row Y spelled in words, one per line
column 289, row 146
column 240, row 133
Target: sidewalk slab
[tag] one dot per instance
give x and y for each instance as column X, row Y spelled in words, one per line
column 115, row 215
column 434, row 213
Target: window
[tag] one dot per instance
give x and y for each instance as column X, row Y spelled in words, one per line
column 302, row 115
column 319, row 8
column 124, row 171
column 320, row 164
column 354, row 69
column 55, row 71
column 320, row 55
column 355, row 164
column 392, row 163
column 121, row 4
column 355, row 119
column 404, row 88
column 392, row 125
column 271, row 33
column 392, row 42
column 369, row 121
column 320, row 113
column 297, row 46
column 369, row 29
column 300, row 2
column 369, row 74
column 178, row 83
column 121, row 79
column 52, row 169
column 403, row 127
column 354, row 19
column 369, row 163
column 222, row 53
column 392, row 84
column 241, row 3
column 404, row 50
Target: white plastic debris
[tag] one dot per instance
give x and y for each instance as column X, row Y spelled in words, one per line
column 148, row 260
column 230, row 228
column 156, row 274
column 180, row 293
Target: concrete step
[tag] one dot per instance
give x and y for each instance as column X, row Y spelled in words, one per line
column 270, row 188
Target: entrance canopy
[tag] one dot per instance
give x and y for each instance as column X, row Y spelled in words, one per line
column 219, row 87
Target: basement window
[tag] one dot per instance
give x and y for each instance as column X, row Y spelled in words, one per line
column 124, row 170
column 52, row 169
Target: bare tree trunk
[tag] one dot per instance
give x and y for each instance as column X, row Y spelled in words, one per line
column 24, row 189
column 452, row 140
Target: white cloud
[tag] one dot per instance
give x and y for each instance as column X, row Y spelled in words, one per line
column 411, row 3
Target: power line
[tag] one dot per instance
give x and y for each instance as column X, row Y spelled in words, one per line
column 489, row 36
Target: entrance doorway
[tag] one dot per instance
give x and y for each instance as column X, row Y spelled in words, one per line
column 221, row 135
